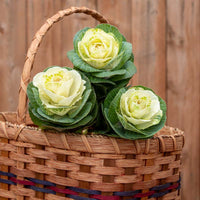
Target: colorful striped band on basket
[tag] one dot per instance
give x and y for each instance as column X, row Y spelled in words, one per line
column 73, row 192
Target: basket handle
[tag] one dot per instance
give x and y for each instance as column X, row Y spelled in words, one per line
column 28, row 65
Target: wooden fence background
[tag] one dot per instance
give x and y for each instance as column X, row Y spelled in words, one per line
column 166, row 42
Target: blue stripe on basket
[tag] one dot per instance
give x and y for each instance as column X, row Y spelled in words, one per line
column 78, row 197
column 86, row 191
column 9, row 182
column 161, row 187
column 156, row 189
column 160, row 194
column 41, row 182
column 7, row 174
column 38, row 189
column 126, row 194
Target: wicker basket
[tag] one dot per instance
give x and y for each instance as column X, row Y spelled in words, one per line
column 45, row 165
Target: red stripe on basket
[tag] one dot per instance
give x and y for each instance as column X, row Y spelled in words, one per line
column 100, row 197
column 146, row 194
column 172, row 187
column 22, row 182
column 64, row 191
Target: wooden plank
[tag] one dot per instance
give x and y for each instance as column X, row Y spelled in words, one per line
column 4, row 29
column 183, row 91
column 37, row 13
column 148, row 38
column 56, row 39
column 118, row 13
column 13, row 48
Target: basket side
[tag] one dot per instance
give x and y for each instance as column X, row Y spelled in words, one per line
column 52, row 173
column 34, row 160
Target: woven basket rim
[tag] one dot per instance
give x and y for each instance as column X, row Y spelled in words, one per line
column 167, row 139
column 93, row 134
column 178, row 131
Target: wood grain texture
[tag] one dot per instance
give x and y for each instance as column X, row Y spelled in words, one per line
column 37, row 12
column 183, row 85
column 166, row 42
column 12, row 52
column 116, row 12
column 148, row 37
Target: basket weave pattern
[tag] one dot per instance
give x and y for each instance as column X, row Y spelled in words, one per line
column 46, row 165
column 94, row 162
